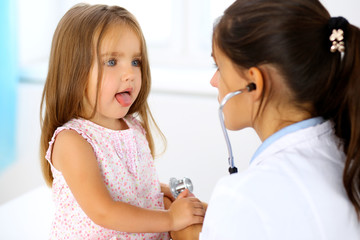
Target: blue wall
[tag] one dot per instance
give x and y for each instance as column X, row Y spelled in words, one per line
column 8, row 82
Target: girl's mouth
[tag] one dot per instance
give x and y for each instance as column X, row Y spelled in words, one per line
column 124, row 97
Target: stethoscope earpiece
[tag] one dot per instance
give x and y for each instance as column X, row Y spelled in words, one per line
column 251, row 86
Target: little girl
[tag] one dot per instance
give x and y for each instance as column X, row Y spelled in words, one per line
column 96, row 145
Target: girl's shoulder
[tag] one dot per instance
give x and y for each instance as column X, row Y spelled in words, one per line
column 72, row 130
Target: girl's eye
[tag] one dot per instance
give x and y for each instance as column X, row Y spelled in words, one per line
column 111, row 62
column 136, row 63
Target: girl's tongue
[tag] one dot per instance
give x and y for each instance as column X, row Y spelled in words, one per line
column 123, row 98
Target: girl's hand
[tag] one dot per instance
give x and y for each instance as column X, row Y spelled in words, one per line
column 185, row 211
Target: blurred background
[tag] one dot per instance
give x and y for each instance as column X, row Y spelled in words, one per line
column 178, row 34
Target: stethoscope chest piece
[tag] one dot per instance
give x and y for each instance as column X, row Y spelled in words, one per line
column 179, row 185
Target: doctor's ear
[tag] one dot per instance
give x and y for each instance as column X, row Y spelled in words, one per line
column 257, row 82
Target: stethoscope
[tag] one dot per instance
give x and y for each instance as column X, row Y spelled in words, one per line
column 250, row 87
column 179, row 185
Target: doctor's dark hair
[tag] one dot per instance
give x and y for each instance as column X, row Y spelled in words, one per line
column 75, row 47
column 293, row 36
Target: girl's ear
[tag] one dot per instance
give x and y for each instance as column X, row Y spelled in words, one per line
column 256, row 76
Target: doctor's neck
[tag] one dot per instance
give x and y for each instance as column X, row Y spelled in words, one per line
column 277, row 108
column 274, row 118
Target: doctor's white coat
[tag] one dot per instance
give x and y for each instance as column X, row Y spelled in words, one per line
column 292, row 190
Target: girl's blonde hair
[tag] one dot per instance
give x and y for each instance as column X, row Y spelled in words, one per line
column 71, row 57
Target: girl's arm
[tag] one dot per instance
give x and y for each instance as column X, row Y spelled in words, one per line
column 75, row 158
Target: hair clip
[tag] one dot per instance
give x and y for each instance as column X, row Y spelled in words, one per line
column 337, row 38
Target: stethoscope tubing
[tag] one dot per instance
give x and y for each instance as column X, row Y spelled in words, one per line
column 250, row 87
column 222, row 123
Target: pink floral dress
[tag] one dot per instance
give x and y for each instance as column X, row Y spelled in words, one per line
column 129, row 174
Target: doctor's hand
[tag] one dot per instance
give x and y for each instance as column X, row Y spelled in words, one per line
column 186, row 210
column 165, row 189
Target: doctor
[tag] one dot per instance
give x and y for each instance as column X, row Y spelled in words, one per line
column 304, row 180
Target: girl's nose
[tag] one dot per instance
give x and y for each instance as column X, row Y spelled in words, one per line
column 127, row 74
column 215, row 79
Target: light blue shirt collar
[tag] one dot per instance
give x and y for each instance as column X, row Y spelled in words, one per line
column 287, row 130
